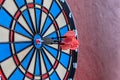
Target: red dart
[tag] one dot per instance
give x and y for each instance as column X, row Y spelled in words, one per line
column 70, row 41
column 70, row 34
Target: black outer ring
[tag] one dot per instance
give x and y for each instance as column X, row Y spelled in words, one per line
column 72, row 27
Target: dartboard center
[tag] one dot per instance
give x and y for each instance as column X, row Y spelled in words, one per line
column 38, row 41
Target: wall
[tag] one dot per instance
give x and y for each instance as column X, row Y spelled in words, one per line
column 98, row 24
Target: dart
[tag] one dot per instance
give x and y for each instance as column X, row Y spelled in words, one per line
column 69, row 41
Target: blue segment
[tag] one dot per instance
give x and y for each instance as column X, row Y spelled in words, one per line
column 20, row 3
column 54, row 34
column 64, row 59
column 5, row 18
column 47, row 63
column 63, row 30
column 20, row 46
column 5, row 51
column 27, row 18
column 53, row 51
column 17, row 75
column 37, row 66
column 21, row 30
column 54, row 76
column 26, row 61
column 47, row 24
column 38, row 2
column 38, row 18
column 55, row 9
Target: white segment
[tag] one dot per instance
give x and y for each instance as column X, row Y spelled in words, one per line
column 61, row 71
column 47, row 4
column 22, row 21
column 56, row 47
column 26, row 78
column 8, row 66
column 53, row 45
column 37, row 77
column 42, row 65
column 49, row 31
column 51, row 58
column 32, row 15
column 59, row 55
column 37, row 6
column 61, row 20
column 13, row 24
column 50, row 15
column 70, row 63
column 43, row 17
column 23, row 8
column 59, row 4
column 23, row 53
column 12, row 47
column 66, row 51
column 4, row 34
column 22, row 69
column 69, row 27
column 10, row 6
column 51, row 71
column 75, row 65
column 29, row 1
column 32, row 64
column 19, row 37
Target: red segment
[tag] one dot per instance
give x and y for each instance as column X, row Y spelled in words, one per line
column 45, row 10
column 45, row 76
column 37, row 41
column 55, row 65
column 16, row 60
column 11, row 39
column 17, row 14
column 31, row 5
column 29, row 75
column 56, row 25
column 1, row 2
column 2, row 76
column 66, row 76
column 66, row 18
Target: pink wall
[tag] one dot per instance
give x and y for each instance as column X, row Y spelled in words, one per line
column 98, row 24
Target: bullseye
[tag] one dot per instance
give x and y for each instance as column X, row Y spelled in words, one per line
column 37, row 41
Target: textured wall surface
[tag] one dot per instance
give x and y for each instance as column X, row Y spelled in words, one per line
column 98, row 24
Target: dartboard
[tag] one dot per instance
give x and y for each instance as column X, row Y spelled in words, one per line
column 23, row 26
